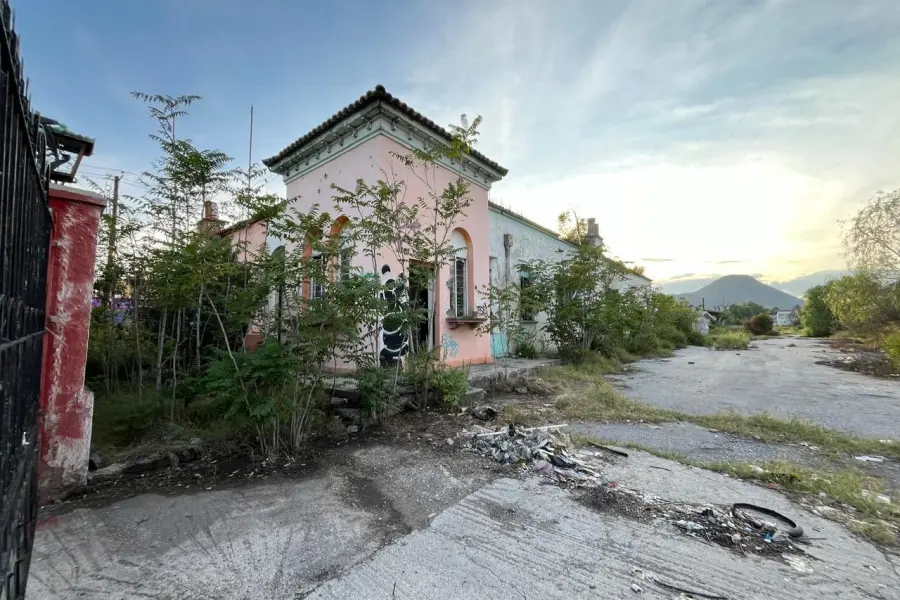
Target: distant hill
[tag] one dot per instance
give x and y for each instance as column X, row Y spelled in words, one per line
column 738, row 289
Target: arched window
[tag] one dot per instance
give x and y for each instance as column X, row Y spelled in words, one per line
column 346, row 252
column 316, row 281
column 459, row 279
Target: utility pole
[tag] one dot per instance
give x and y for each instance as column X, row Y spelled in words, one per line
column 111, row 250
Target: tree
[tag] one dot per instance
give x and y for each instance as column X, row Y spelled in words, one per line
column 577, row 292
column 873, row 238
column 861, row 301
column 571, row 228
column 815, row 316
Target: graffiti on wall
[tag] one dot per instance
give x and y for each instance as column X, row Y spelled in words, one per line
column 449, row 346
column 393, row 340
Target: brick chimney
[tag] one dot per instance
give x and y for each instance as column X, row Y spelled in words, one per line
column 210, row 223
column 593, row 234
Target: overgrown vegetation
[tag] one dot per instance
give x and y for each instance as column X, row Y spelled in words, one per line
column 760, row 324
column 867, row 302
column 198, row 330
column 730, row 340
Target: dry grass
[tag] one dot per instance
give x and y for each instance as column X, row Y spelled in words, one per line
column 731, row 340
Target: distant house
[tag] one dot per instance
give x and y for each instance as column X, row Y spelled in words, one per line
column 786, row 318
column 704, row 320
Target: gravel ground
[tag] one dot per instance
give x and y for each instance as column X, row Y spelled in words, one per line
column 779, row 376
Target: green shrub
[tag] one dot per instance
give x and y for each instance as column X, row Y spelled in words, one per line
column 815, row 315
column 642, row 343
column 695, row 338
column 731, row 341
column 672, row 335
column 450, row 384
column 375, row 386
column 123, row 418
column 526, row 349
column 760, row 324
column 891, row 347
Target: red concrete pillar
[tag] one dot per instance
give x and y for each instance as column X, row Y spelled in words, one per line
column 66, row 406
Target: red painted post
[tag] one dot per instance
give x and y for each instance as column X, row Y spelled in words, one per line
column 66, row 405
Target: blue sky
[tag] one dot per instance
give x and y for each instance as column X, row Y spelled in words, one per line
column 707, row 137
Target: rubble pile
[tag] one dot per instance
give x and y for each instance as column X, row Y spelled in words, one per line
column 546, row 449
column 742, row 530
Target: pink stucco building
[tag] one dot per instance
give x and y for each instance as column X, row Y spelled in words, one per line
column 359, row 142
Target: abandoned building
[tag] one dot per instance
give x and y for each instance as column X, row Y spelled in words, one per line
column 360, row 142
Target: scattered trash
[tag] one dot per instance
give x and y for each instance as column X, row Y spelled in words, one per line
column 651, row 426
column 886, row 441
column 615, row 451
column 798, row 563
column 545, row 447
column 636, row 588
column 449, row 441
column 683, row 592
column 484, row 413
column 688, row 525
column 352, row 428
column 757, row 469
column 740, row 509
column 195, row 441
column 690, row 362
column 867, row 458
column 883, row 498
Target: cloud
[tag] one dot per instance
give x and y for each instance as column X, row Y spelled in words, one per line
column 690, row 129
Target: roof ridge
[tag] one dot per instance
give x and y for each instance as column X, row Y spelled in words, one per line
column 378, row 94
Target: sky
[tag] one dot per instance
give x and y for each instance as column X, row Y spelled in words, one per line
column 707, row 137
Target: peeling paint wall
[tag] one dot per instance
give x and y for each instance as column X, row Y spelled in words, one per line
column 66, row 406
column 513, row 241
column 525, row 243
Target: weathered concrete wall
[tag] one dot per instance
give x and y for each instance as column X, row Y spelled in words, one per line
column 526, row 243
column 66, row 405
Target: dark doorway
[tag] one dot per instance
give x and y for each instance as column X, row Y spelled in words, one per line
column 421, row 299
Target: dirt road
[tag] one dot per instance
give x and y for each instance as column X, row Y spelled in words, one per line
column 779, row 376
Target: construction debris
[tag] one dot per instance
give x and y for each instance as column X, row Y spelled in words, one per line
column 546, row 448
column 745, row 531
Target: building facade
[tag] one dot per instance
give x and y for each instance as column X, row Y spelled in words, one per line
column 362, row 141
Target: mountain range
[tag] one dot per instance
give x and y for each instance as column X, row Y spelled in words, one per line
column 738, row 289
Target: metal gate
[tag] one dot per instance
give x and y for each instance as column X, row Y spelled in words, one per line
column 24, row 245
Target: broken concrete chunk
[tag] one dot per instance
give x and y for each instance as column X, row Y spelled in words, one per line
column 147, row 463
column 867, row 458
column 484, row 413
column 106, row 473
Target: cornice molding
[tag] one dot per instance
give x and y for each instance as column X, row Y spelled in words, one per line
column 362, row 126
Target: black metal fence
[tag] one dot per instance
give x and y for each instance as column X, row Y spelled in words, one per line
column 25, row 225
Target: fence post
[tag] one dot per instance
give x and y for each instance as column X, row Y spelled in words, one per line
column 66, row 405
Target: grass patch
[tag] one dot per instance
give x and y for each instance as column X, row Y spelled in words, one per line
column 730, row 340
column 601, row 402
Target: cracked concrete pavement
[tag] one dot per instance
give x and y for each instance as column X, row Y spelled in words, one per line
column 774, row 377
column 396, row 522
